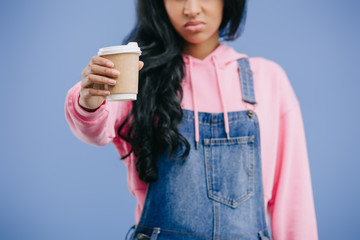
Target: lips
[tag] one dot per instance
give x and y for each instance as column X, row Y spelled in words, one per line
column 194, row 26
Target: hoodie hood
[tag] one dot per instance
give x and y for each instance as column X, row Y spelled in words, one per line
column 207, row 81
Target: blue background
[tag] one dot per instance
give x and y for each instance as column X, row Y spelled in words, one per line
column 52, row 186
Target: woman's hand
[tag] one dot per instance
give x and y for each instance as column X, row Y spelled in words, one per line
column 98, row 73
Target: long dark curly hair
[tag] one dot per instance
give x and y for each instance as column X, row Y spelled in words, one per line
column 156, row 114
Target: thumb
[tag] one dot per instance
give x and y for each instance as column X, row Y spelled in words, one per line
column 141, row 64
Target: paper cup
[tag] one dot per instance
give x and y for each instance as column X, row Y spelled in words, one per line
column 126, row 61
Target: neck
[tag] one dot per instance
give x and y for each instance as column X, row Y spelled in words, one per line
column 203, row 49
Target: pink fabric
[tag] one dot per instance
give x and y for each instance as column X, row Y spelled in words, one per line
column 286, row 174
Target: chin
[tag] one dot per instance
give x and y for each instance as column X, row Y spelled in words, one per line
column 195, row 40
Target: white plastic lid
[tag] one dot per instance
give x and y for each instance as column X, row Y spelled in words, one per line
column 131, row 47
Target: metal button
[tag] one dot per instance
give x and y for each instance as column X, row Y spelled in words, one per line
column 142, row 236
column 250, row 113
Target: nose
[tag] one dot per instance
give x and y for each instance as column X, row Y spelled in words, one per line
column 192, row 8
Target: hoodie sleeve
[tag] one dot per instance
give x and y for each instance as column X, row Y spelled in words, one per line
column 291, row 208
column 96, row 128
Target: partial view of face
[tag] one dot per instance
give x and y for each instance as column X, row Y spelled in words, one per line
column 196, row 21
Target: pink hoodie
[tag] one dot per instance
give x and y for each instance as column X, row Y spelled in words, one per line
column 213, row 85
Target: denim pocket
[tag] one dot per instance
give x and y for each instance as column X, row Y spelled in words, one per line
column 229, row 166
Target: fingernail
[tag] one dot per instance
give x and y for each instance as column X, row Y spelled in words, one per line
column 109, row 64
column 115, row 72
column 112, row 81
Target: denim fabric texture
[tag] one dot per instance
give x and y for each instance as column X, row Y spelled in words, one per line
column 216, row 192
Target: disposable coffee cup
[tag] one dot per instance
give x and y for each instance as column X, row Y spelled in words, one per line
column 126, row 61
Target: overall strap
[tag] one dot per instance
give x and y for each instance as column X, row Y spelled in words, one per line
column 246, row 79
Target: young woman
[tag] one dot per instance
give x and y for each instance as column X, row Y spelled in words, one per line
column 214, row 145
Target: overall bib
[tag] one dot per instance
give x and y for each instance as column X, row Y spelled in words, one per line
column 217, row 191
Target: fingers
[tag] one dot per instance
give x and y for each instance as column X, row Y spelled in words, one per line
column 101, row 61
column 100, row 80
column 92, row 79
column 100, row 71
column 99, row 65
column 105, row 71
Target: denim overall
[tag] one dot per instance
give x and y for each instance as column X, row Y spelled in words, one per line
column 217, row 191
